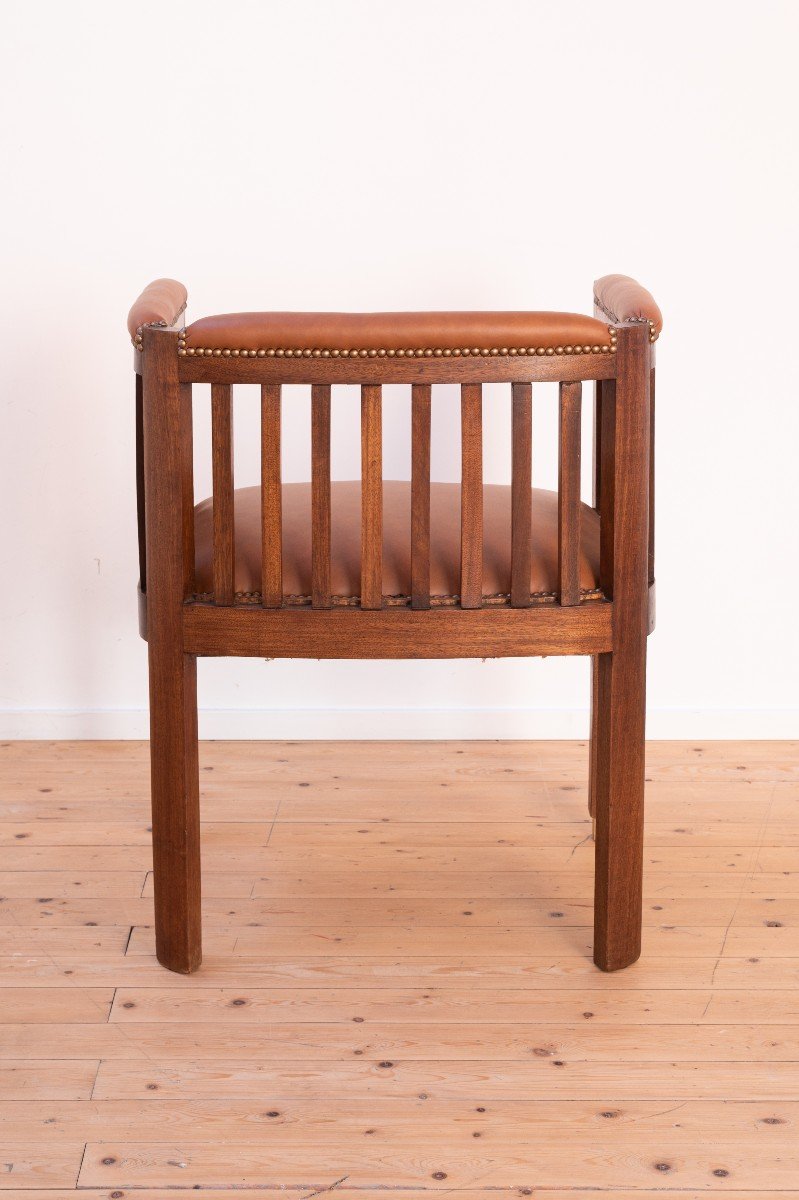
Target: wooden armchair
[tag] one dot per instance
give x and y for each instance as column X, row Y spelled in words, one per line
column 381, row 569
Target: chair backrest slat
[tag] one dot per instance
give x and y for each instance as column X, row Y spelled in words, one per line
column 140, row 499
column 420, row 495
column 371, row 496
column 187, row 485
column 222, row 464
column 569, row 494
column 271, row 499
column 607, row 486
column 320, row 495
column 471, row 585
column 521, row 493
column 596, row 459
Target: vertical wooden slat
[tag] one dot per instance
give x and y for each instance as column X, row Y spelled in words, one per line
column 371, row 496
column 420, row 495
column 607, row 486
column 521, row 494
column 320, row 495
column 471, row 585
column 596, row 473
column 222, row 459
column 140, row 497
column 187, row 485
column 569, row 494
column 271, row 499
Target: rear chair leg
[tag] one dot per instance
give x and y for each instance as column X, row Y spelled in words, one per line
column 176, row 809
column 618, row 757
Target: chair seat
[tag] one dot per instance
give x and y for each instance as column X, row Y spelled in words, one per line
column 373, row 335
column 346, row 543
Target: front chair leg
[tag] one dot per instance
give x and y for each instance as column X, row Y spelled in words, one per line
column 176, row 810
column 592, row 745
column 619, row 733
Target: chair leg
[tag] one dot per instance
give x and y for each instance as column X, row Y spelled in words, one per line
column 592, row 745
column 176, row 810
column 619, row 733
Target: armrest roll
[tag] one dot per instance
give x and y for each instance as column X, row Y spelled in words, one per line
column 622, row 299
column 161, row 303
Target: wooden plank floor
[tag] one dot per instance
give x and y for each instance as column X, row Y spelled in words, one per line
column 397, row 992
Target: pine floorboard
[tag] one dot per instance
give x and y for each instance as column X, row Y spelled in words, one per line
column 397, row 993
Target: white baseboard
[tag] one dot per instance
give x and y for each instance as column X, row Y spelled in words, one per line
column 411, row 723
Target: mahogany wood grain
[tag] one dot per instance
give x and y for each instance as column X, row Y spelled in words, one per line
column 517, row 369
column 271, row 498
column 521, row 493
column 569, row 493
column 593, row 742
column 607, row 486
column 596, row 490
column 596, row 456
column 420, row 495
column 140, row 496
column 320, row 495
column 489, row 632
column 222, row 460
column 173, row 673
column 603, row 497
column 471, row 584
column 621, row 683
column 187, row 485
column 371, row 496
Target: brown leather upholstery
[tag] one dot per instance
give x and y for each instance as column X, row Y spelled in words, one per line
column 346, row 541
column 622, row 299
column 161, row 303
column 412, row 334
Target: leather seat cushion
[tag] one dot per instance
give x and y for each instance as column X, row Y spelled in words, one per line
column 346, row 541
column 414, row 334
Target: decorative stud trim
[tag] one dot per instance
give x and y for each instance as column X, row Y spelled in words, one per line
column 653, row 333
column 437, row 352
column 449, row 601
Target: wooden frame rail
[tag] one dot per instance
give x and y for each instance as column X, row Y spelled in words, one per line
column 541, row 629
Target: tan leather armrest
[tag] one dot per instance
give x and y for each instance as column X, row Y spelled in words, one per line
column 621, row 299
column 161, row 303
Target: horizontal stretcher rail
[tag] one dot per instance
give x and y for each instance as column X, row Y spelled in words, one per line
column 541, row 630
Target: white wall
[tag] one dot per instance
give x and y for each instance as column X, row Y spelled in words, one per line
column 423, row 154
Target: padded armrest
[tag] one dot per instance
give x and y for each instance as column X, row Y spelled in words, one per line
column 621, row 299
column 161, row 303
